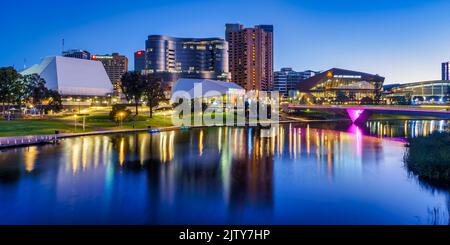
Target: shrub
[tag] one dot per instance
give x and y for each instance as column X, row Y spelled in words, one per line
column 429, row 156
column 119, row 112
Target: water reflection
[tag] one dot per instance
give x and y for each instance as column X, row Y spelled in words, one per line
column 221, row 176
column 406, row 128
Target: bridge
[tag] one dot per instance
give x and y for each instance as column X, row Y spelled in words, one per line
column 360, row 114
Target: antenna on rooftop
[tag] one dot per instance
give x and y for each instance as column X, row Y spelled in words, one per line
column 62, row 50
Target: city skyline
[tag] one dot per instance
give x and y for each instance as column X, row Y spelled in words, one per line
column 385, row 38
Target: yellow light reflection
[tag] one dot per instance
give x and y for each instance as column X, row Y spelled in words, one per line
column 30, row 158
column 122, row 151
column 200, row 143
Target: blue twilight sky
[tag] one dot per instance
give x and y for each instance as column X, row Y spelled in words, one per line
column 403, row 40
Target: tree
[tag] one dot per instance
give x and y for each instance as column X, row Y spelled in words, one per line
column 153, row 91
column 119, row 113
column 133, row 85
column 341, row 97
column 54, row 101
column 367, row 101
column 10, row 84
column 307, row 99
column 36, row 91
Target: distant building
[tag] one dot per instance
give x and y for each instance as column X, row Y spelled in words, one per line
column 286, row 80
column 220, row 87
column 72, row 76
column 342, row 86
column 77, row 53
column 250, row 56
column 424, row 92
column 173, row 58
column 80, row 82
column 446, row 70
column 139, row 60
column 115, row 65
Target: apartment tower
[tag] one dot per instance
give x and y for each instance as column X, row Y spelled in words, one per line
column 250, row 52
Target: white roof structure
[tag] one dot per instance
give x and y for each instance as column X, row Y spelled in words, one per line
column 209, row 88
column 72, row 76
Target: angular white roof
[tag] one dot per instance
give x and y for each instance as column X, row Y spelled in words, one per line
column 209, row 88
column 72, row 76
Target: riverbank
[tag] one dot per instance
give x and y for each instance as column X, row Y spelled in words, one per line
column 429, row 157
column 70, row 125
column 17, row 141
column 26, row 140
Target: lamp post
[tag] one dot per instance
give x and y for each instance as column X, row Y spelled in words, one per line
column 75, row 116
column 84, row 123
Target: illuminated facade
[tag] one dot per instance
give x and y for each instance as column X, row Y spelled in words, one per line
column 80, row 82
column 172, row 58
column 445, row 70
column 425, row 92
column 336, row 86
column 250, row 56
column 115, row 66
column 286, row 80
column 209, row 89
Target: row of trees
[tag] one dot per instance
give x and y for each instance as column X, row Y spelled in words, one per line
column 16, row 90
column 136, row 86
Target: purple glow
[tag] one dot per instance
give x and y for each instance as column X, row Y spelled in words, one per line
column 354, row 113
column 355, row 130
column 372, row 108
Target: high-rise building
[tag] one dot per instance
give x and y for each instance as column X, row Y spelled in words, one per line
column 250, row 55
column 139, row 60
column 286, row 80
column 77, row 53
column 172, row 58
column 115, row 65
column 446, row 70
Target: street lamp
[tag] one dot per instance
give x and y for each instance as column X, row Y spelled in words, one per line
column 75, row 117
column 121, row 115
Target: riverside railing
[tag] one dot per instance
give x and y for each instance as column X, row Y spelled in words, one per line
column 27, row 140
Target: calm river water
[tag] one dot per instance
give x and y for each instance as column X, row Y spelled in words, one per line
column 305, row 174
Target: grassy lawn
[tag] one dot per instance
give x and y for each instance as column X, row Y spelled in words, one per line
column 103, row 122
column 36, row 127
column 93, row 122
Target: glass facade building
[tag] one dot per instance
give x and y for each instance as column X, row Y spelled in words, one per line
column 287, row 80
column 425, row 92
column 77, row 53
column 445, row 71
column 139, row 60
column 336, row 86
column 172, row 58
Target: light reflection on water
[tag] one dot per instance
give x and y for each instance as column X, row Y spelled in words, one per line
column 304, row 175
column 406, row 128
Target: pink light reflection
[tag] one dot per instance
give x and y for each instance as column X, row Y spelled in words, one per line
column 354, row 114
column 355, row 130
